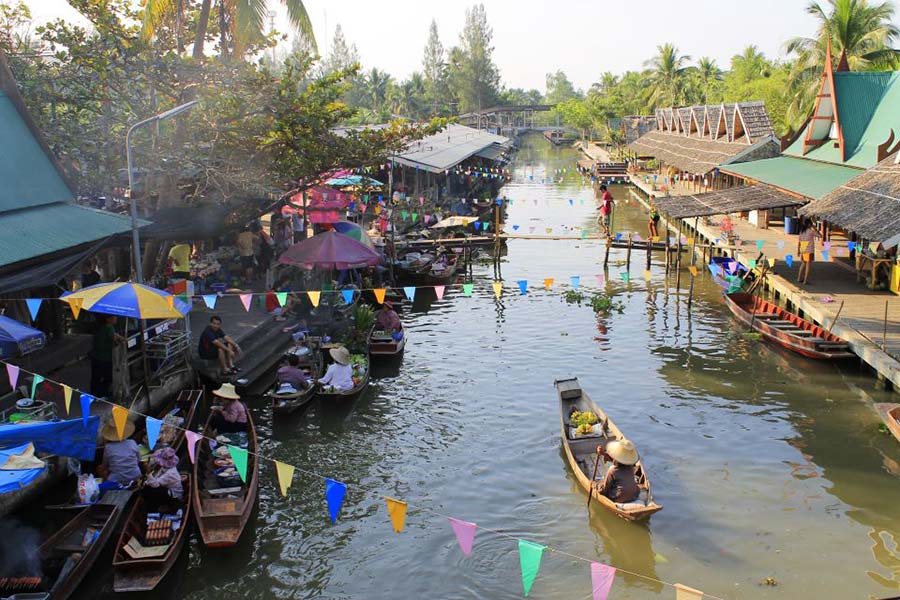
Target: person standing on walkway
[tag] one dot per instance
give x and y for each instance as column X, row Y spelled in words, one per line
column 105, row 339
column 806, row 249
column 653, row 224
column 606, row 208
column 246, row 242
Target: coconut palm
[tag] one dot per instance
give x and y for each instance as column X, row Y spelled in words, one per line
column 666, row 77
column 606, row 84
column 708, row 76
column 377, row 84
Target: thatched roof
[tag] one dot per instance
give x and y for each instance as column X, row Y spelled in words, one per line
column 868, row 204
column 755, row 119
column 689, row 154
column 723, row 202
column 634, row 126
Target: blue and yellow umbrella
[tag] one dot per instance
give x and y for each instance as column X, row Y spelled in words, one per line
column 126, row 299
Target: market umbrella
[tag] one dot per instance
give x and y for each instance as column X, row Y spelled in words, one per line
column 354, row 181
column 330, row 250
column 130, row 300
column 354, row 231
column 19, row 339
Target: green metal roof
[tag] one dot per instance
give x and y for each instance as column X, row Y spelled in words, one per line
column 804, row 177
column 32, row 232
column 29, row 177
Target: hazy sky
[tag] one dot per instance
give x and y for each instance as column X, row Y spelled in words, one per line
column 582, row 37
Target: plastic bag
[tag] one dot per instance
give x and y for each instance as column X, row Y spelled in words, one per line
column 88, row 490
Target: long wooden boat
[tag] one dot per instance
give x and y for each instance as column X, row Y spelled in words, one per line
column 351, row 394
column 719, row 266
column 186, row 403
column 143, row 572
column 383, row 345
column 581, row 452
column 223, row 512
column 890, row 414
column 283, row 404
column 786, row 329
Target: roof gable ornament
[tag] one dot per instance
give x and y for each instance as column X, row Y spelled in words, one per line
column 825, row 120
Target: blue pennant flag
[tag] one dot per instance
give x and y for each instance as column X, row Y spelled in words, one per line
column 210, row 300
column 348, row 296
column 576, row 281
column 34, row 305
column 410, row 293
column 334, row 495
column 499, row 201
column 789, row 259
column 153, row 427
column 523, row 286
column 86, row 400
column 618, row 237
column 477, row 225
column 851, row 246
column 515, row 227
column 571, row 202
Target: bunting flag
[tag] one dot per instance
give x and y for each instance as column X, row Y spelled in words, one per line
column 348, row 296
column 282, row 298
column 439, row 292
column 648, row 275
column 575, row 281
column 781, row 244
column 153, row 427
column 397, row 512
column 523, row 286
column 75, row 305
column 625, row 276
column 530, row 562
column 410, row 292
column 86, row 400
column 38, row 379
column 654, row 239
column 752, row 263
column 314, row 297
column 690, row 241
column 498, row 288
column 192, row 437
column 771, row 263
column 171, row 301
column 825, row 255
column 34, row 305
column 465, row 534
column 379, row 294
column 618, row 237
column 601, row 580
column 285, row 474
column 571, row 202
column 683, row 592
column 637, row 237
column 584, row 234
column 239, row 456
column 693, row 270
column 245, row 300
column 334, row 496
column 515, row 227
column 851, row 246
column 601, row 279
column 210, row 301
column 120, row 417
column 12, row 371
column 826, row 245
column 467, row 289
column 477, row 225
column 789, row 259
column 759, row 244
column 548, row 283
column 549, row 230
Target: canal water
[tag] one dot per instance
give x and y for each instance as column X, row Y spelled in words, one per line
column 769, row 465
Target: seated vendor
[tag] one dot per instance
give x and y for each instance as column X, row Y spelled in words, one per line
column 163, row 483
column 273, row 306
column 292, row 374
column 387, row 318
column 121, row 459
column 620, row 484
column 231, row 416
column 339, row 374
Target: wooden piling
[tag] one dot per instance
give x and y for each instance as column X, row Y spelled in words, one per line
column 668, row 250
column 884, row 333
column 649, row 252
column 608, row 245
column 628, row 254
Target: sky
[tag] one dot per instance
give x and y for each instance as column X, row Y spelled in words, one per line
column 584, row 38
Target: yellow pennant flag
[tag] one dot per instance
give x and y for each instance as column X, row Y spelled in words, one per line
column 548, row 283
column 683, row 592
column 120, row 417
column 549, row 230
column 655, row 239
column 379, row 294
column 771, row 262
column 285, row 475
column 67, row 397
column 690, row 241
column 693, row 270
column 648, row 274
column 377, row 210
column 498, row 288
column 397, row 511
column 314, row 297
column 804, row 245
column 75, row 304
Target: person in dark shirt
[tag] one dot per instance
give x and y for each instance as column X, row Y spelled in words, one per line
column 89, row 276
column 105, row 340
column 215, row 344
column 620, row 484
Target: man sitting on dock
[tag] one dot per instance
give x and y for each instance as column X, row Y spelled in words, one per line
column 606, row 208
column 215, row 344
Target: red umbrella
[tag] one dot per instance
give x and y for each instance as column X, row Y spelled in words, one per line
column 330, row 250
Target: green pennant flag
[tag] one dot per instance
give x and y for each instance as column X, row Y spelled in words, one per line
column 415, row 216
column 467, row 289
column 38, row 379
column 404, row 214
column 239, row 456
column 530, row 561
column 282, row 298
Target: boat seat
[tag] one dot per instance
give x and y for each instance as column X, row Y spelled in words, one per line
column 71, row 548
column 778, row 322
column 832, row 345
column 766, row 315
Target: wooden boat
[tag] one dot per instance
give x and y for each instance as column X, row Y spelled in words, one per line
column 186, row 403
column 890, row 414
column 335, row 396
column 221, row 511
column 581, row 452
column 786, row 329
column 383, row 345
column 718, row 268
column 139, row 566
column 435, row 274
column 311, row 363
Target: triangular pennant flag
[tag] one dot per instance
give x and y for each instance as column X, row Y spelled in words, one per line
column 75, row 305
column 120, row 417
column 397, row 512
column 654, row 239
column 571, row 202
column 690, row 241
column 851, row 246
column 348, row 296
column 637, row 237
column 210, row 300
column 12, row 371
column 826, row 245
column 404, row 214
column 618, row 237
column 34, row 305
column 86, row 400
column 625, row 276
column 601, row 580
column 38, row 379
column 410, row 292
column 314, row 297
column 780, row 244
column 439, row 292
column 467, row 289
column 825, row 255
column 648, row 275
column 334, row 496
column 153, row 427
column 530, row 561
column 759, row 244
column 285, row 474
column 465, row 534
column 282, row 298
column 245, row 300
column 477, row 225
column 584, row 234
column 771, row 262
column 515, row 227
column 379, row 294
column 192, row 437
column 683, row 592
column 789, row 259
column 549, row 230
column 601, row 278
column 752, row 263
column 414, row 217
column 498, row 288
column 485, row 226
column 548, row 283
column 171, row 301
column 575, row 280
column 239, row 456
column 693, row 270
column 523, row 286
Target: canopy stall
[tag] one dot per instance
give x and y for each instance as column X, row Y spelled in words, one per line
column 18, row 339
column 76, row 437
column 723, row 202
column 324, row 204
column 330, row 250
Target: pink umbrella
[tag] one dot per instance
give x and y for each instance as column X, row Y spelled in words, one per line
column 330, row 250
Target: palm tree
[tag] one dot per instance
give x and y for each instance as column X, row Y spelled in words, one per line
column 708, row 75
column 667, row 71
column 606, row 84
column 377, row 86
column 864, row 32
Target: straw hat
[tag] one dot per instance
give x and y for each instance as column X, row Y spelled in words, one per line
column 227, row 392
column 340, row 355
column 387, row 304
column 622, row 451
column 109, row 433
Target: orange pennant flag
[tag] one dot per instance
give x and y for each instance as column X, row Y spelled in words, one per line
column 120, row 417
column 397, row 511
column 171, row 301
column 67, row 397
column 75, row 304
column 548, row 283
column 285, row 475
column 683, row 592
column 379, row 294
column 498, row 288
column 314, row 297
column 693, row 270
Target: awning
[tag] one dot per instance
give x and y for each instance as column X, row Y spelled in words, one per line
column 48, row 272
column 65, row 438
column 19, row 339
column 806, row 178
column 723, row 202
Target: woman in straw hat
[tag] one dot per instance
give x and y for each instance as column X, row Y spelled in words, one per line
column 163, row 483
column 339, row 374
column 232, row 416
column 620, row 484
column 121, row 456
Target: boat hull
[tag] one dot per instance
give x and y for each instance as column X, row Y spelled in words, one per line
column 889, row 414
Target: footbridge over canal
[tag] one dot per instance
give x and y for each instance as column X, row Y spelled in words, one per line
column 511, row 120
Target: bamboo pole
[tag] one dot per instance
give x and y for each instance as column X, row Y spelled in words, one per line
column 833, row 321
column 606, row 257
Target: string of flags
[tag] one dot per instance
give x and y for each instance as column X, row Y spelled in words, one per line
column 530, row 553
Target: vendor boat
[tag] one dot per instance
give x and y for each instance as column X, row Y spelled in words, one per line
column 786, row 329
column 720, row 269
column 141, row 561
column 291, row 401
column 890, row 414
column 383, row 344
column 360, row 378
column 181, row 415
column 222, row 501
column 581, row 452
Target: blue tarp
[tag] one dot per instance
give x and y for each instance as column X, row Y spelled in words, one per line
column 11, row 481
column 17, row 338
column 64, row 438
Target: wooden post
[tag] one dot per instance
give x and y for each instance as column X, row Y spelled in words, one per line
column 668, row 250
column 884, row 333
column 838, row 314
column 606, row 257
column 628, row 255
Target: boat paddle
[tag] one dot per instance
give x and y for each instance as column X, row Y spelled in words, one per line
column 594, row 477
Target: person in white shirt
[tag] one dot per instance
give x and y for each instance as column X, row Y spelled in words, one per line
column 339, row 374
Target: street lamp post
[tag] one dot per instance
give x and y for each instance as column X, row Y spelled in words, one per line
column 135, row 236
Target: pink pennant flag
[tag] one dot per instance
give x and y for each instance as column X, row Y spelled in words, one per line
column 601, row 279
column 13, row 372
column 439, row 292
column 465, row 534
column 246, row 299
column 601, row 580
column 192, row 437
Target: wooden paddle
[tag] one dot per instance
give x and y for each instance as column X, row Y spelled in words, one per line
column 594, row 477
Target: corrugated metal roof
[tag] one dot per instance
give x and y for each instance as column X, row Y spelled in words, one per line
column 807, row 178
column 28, row 176
column 441, row 151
